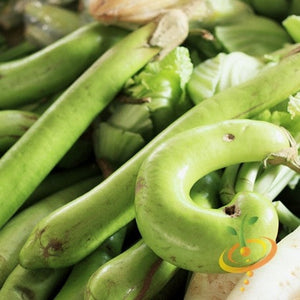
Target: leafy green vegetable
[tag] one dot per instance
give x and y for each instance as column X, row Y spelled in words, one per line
column 294, row 105
column 150, row 101
column 213, row 12
column 276, row 9
column 286, row 115
column 222, row 71
column 254, row 35
column 163, row 83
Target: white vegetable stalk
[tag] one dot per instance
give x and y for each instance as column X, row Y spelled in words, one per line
column 211, row 286
column 279, row 279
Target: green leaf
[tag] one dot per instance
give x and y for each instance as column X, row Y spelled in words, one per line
column 221, row 72
column 252, row 220
column 294, row 105
column 176, row 64
column 115, row 144
column 286, row 115
column 253, row 35
column 231, row 230
column 163, row 82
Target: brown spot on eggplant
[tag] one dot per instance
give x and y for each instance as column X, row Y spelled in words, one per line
column 232, row 211
column 105, row 167
column 54, row 245
column 148, row 279
column 229, row 210
column 39, row 234
column 228, row 137
column 140, row 184
column 173, row 259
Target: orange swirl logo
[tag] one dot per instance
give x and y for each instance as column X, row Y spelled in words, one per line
column 239, row 258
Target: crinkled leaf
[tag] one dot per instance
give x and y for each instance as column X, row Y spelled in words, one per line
column 204, row 79
column 287, row 115
column 294, row 105
column 163, row 83
column 221, row 72
column 131, row 117
column 281, row 118
column 176, row 65
column 236, row 68
column 114, row 144
column 254, row 35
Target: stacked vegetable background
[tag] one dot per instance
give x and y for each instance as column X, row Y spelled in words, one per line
column 138, row 142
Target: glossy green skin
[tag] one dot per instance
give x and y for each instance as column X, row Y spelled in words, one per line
column 205, row 192
column 109, row 206
column 56, row 66
column 137, row 273
column 38, row 151
column 184, row 233
column 75, row 285
column 14, row 234
column 60, row 179
column 32, row 284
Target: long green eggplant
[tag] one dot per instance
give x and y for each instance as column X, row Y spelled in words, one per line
column 136, row 273
column 38, row 284
column 14, row 234
column 193, row 237
column 75, row 285
column 38, row 151
column 56, row 66
column 109, row 206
